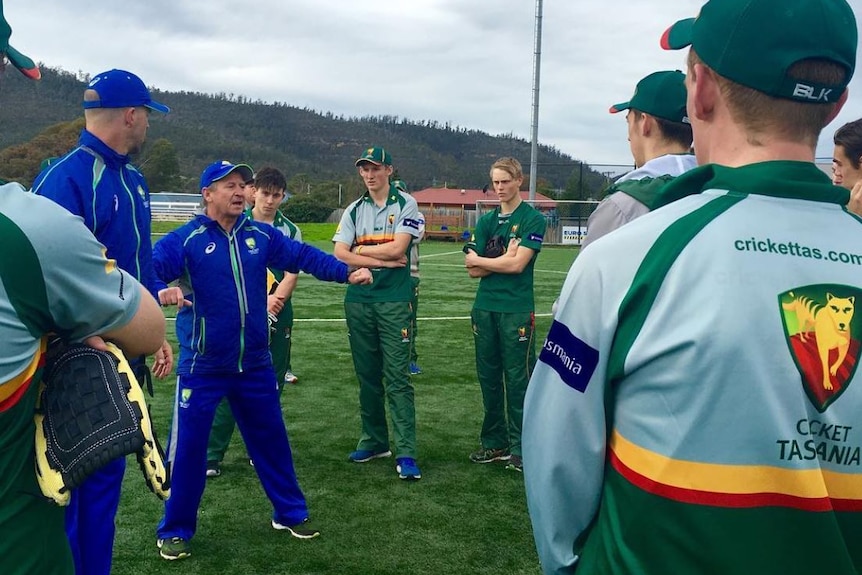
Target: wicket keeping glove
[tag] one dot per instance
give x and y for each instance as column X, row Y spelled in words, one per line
column 90, row 411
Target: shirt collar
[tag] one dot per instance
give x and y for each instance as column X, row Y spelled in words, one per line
column 390, row 199
column 779, row 178
column 111, row 157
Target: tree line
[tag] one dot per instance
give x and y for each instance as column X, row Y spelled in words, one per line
column 315, row 149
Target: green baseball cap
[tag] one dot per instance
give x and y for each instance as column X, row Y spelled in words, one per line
column 661, row 94
column 755, row 42
column 375, row 156
column 400, row 185
column 24, row 63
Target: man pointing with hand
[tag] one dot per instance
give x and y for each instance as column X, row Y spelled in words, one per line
column 224, row 255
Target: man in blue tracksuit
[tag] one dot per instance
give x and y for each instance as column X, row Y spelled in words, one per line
column 222, row 256
column 97, row 182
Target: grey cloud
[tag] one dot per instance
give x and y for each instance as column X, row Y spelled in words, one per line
column 464, row 62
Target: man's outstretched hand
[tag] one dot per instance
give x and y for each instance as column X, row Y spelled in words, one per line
column 361, row 276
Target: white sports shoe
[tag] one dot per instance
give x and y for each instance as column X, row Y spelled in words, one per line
column 290, row 378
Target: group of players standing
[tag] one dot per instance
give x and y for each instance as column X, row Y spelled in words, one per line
column 651, row 420
column 231, row 271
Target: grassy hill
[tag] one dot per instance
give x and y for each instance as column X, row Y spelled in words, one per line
column 318, row 145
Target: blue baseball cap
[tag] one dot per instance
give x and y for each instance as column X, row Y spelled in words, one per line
column 218, row 170
column 121, row 89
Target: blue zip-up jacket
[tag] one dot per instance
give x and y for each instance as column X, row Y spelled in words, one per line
column 107, row 191
column 227, row 276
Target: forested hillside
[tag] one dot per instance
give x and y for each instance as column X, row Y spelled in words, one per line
column 315, row 149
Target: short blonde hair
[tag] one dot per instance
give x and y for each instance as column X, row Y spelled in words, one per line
column 509, row 165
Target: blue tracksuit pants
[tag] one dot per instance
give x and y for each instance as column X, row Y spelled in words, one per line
column 91, row 512
column 90, row 519
column 254, row 401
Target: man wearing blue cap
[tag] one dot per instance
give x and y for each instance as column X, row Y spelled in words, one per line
column 54, row 278
column 660, row 139
column 98, row 182
column 269, row 185
column 224, row 255
column 695, row 408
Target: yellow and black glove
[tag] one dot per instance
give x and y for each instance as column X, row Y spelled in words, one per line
column 91, row 410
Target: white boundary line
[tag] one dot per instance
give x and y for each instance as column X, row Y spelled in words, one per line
column 335, row 319
column 421, row 257
column 436, row 265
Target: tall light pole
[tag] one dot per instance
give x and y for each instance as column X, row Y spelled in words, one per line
column 537, row 64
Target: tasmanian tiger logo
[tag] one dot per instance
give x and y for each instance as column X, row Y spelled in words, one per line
column 830, row 324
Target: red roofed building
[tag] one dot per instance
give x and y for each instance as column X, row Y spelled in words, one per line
column 449, row 212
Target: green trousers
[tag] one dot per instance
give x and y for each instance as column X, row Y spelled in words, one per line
column 280, row 342
column 505, row 356
column 279, row 347
column 32, row 534
column 34, row 540
column 380, row 340
column 414, row 357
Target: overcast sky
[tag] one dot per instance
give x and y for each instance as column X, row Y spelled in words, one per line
column 466, row 62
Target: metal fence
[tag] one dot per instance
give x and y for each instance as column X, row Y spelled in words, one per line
column 569, row 221
column 166, row 206
column 566, row 223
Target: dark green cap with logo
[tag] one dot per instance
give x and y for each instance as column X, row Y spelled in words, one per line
column 16, row 58
column 756, row 42
column 661, row 94
column 375, row 156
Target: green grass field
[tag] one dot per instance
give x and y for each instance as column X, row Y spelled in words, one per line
column 460, row 518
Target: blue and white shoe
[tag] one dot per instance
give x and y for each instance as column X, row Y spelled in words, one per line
column 363, row 455
column 415, row 369
column 407, row 469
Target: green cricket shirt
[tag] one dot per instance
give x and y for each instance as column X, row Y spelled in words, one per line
column 364, row 223
column 508, row 292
